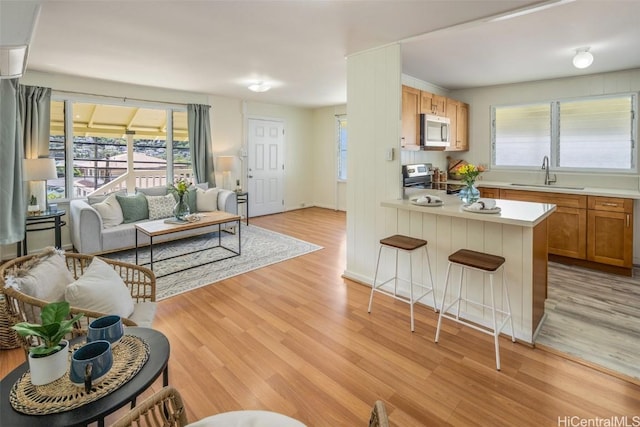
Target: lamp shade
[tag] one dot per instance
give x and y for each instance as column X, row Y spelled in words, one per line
column 226, row 163
column 39, row 169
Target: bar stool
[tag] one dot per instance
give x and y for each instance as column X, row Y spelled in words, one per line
column 406, row 244
column 485, row 263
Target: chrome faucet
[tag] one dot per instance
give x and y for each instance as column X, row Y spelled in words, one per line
column 545, row 167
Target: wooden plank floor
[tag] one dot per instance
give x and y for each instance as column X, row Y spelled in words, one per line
column 296, row 338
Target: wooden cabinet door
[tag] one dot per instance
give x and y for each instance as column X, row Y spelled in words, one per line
column 567, row 232
column 452, row 115
column 610, row 238
column 489, row 192
column 410, row 111
column 462, row 127
column 610, row 229
column 426, row 102
column 439, row 105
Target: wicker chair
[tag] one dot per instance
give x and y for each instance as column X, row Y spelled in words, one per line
column 379, row 415
column 19, row 307
column 163, row 409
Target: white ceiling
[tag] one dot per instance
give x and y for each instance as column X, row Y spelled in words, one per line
column 219, row 47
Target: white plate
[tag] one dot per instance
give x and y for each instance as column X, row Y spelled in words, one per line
column 436, row 203
column 482, row 211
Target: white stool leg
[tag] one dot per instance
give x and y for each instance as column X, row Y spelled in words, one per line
column 375, row 277
column 444, row 296
column 496, row 332
column 506, row 293
column 433, row 286
column 459, row 299
column 411, row 289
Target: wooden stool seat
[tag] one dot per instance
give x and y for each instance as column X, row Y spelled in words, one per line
column 479, row 260
column 399, row 243
column 403, row 242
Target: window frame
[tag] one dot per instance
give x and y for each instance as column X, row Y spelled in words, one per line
column 68, row 99
column 554, row 143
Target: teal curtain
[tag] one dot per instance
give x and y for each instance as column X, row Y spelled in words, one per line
column 200, row 143
column 12, row 191
column 35, row 111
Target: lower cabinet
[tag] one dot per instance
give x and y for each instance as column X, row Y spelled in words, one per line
column 590, row 228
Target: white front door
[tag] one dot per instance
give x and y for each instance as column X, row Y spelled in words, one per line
column 265, row 167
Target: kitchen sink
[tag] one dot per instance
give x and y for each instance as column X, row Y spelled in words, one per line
column 558, row 187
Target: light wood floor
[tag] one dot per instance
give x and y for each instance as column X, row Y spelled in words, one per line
column 296, row 338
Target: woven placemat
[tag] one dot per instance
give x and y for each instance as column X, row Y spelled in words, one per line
column 129, row 355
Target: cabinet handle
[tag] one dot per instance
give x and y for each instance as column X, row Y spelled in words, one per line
column 628, row 220
column 609, row 204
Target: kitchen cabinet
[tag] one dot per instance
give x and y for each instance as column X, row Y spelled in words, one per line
column 458, row 114
column 431, row 103
column 567, row 226
column 610, row 226
column 591, row 231
column 410, row 112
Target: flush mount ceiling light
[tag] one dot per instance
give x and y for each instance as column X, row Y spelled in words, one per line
column 259, row 87
column 583, row 58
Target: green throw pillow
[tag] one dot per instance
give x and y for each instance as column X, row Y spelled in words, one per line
column 134, row 208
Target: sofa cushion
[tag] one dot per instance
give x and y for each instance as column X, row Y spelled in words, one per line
column 100, row 289
column 92, row 200
column 110, row 211
column 134, row 208
column 207, row 200
column 161, row 206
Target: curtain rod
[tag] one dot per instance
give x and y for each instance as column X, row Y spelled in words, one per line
column 123, row 98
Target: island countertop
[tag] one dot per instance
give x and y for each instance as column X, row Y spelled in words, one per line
column 524, row 214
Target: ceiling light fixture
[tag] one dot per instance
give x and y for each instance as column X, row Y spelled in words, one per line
column 583, row 58
column 259, row 87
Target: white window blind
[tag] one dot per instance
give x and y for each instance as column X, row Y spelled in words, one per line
column 342, row 147
column 522, row 135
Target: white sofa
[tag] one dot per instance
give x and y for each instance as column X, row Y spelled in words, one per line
column 90, row 236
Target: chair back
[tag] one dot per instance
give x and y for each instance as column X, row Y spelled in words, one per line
column 379, row 416
column 164, row 408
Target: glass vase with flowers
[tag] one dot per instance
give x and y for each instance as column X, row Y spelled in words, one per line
column 469, row 173
column 180, row 189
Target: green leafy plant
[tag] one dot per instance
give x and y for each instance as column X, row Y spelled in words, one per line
column 180, row 187
column 33, row 201
column 55, row 325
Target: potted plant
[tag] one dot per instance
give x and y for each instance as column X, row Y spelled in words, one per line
column 49, row 360
column 33, row 207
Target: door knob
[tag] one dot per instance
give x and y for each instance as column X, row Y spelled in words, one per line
column 250, row 176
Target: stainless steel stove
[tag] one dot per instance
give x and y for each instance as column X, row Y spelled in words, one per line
column 420, row 176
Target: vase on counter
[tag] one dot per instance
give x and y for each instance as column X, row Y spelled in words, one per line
column 181, row 209
column 469, row 193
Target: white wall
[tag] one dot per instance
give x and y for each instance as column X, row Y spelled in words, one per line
column 373, row 112
column 228, row 121
column 327, row 191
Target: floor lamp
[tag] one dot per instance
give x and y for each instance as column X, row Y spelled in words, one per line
column 37, row 172
column 226, row 164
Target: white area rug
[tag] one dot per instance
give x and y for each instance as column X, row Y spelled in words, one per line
column 260, row 248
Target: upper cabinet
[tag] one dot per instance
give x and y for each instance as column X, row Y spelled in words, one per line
column 410, row 112
column 416, row 102
column 433, row 104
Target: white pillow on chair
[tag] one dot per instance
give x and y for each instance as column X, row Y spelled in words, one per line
column 100, row 289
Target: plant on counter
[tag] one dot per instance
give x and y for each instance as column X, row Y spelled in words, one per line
column 470, row 173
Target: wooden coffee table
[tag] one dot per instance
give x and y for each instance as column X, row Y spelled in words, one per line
column 160, row 228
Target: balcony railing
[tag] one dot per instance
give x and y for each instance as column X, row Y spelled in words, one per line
column 143, row 179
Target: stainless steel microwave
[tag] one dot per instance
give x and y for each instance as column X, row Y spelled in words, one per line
column 434, row 131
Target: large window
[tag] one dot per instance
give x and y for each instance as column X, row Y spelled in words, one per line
column 96, row 144
column 341, row 124
column 590, row 134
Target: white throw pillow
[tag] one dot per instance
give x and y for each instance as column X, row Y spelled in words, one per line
column 44, row 278
column 110, row 211
column 207, row 200
column 100, row 289
column 161, row 206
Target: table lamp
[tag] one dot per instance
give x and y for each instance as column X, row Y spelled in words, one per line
column 226, row 164
column 37, row 172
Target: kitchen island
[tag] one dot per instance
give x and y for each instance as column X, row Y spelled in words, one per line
column 518, row 233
